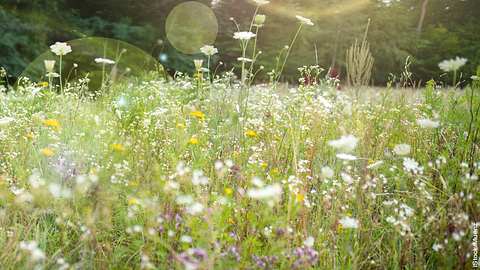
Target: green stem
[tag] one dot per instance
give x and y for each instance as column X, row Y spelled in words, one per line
column 288, row 53
column 61, row 82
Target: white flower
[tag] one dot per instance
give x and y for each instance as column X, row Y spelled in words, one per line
column 104, row 61
column 5, row 121
column 244, row 59
column 209, row 50
column 49, row 65
column 261, row 2
column 243, row 35
column 327, row 172
column 184, row 199
column 265, row 193
column 402, row 149
column 347, row 157
column 347, row 178
column 195, row 208
column 186, row 239
column 309, row 242
column 475, row 78
column 304, row 20
column 58, row 191
column 349, row 223
column 198, row 64
column 391, row 219
column 375, row 164
column 452, row 64
column 410, row 164
column 36, row 254
column 427, row 123
column 199, row 179
column 61, row 48
column 345, row 143
column 256, row 181
column 436, row 247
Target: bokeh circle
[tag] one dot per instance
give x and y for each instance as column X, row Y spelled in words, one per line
column 190, row 26
column 128, row 59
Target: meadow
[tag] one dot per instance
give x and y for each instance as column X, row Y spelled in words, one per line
column 157, row 174
column 208, row 170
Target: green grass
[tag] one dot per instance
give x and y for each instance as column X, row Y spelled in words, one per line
column 114, row 167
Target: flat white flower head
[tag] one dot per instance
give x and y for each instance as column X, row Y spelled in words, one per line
column 261, row 2
column 402, row 149
column 452, row 64
column 244, row 35
column 105, row 61
column 304, row 20
column 61, row 48
column 209, row 50
column 349, row 223
column 427, row 123
column 244, row 59
column 327, row 172
column 345, row 144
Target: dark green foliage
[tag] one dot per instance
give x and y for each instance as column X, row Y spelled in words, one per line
column 450, row 29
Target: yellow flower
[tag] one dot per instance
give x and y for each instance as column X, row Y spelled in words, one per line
column 198, row 114
column 275, row 171
column 30, row 135
column 53, row 123
column 193, row 141
column 228, row 191
column 180, row 125
column 264, row 165
column 251, row 133
column 43, row 84
column 48, row 152
column 300, row 197
column 118, row 147
column 132, row 201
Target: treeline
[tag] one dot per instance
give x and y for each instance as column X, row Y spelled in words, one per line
column 425, row 31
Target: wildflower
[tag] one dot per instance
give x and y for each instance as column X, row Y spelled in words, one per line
column 193, row 141
column 347, row 157
column 427, row 123
column 58, row 191
column 36, row 254
column 299, row 197
column 475, row 78
column 251, row 133
column 209, row 50
column 198, row 64
column 61, row 48
column 43, row 84
column 195, row 208
column 327, row 172
column 186, row 239
column 198, row 114
column 345, row 143
column 402, row 149
column 410, row 165
column 198, row 178
column 5, row 121
column 104, row 61
column 452, row 64
column 228, row 191
column 349, row 223
column 244, row 59
column 48, row 152
column 309, row 241
column 436, row 247
column 244, row 35
column 304, row 20
column 53, row 123
column 132, row 201
column 260, row 20
column 261, row 2
column 375, row 164
column 265, row 193
column 117, row 147
column 49, row 65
